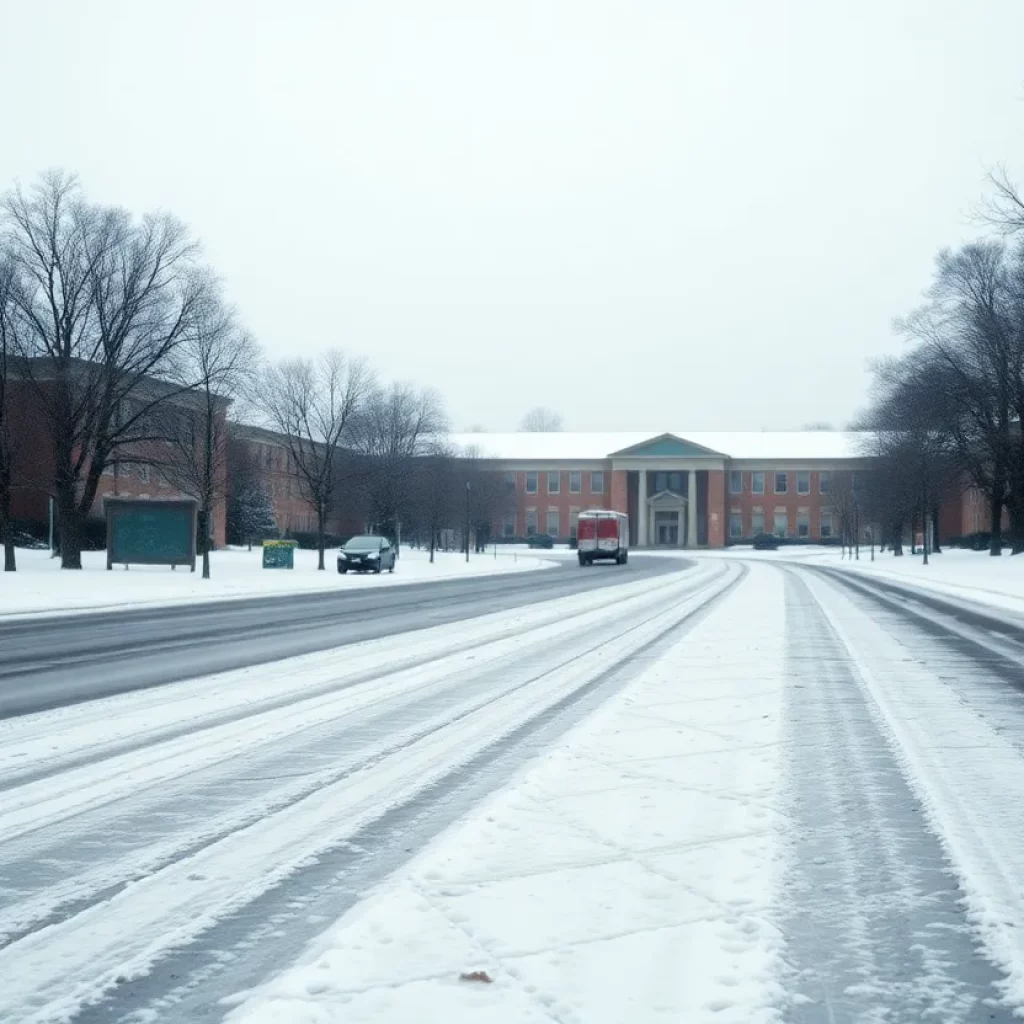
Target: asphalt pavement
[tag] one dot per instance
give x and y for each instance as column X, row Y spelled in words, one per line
column 52, row 661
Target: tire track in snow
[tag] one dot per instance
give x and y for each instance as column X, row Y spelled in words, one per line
column 876, row 931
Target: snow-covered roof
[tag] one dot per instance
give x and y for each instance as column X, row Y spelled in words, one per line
column 790, row 444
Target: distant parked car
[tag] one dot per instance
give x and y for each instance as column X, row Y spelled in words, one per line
column 366, row 554
column 541, row 540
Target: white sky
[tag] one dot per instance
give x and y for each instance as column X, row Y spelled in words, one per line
column 632, row 212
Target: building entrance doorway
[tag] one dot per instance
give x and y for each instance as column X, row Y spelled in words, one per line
column 666, row 529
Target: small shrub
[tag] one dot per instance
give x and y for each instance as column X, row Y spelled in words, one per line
column 766, row 542
column 307, row 540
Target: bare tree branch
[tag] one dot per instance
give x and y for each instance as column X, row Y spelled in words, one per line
column 311, row 404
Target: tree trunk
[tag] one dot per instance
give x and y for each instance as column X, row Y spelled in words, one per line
column 320, row 537
column 432, row 536
column 204, row 540
column 936, row 546
column 897, row 540
column 1017, row 528
column 924, row 525
column 69, row 528
column 6, row 533
column 995, row 547
column 7, row 538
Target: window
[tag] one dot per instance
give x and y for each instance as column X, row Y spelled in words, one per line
column 735, row 525
column 574, row 519
column 803, row 483
column 510, row 482
column 554, row 483
column 803, row 524
column 508, row 527
column 531, row 483
column 108, row 469
column 124, row 469
column 826, row 525
column 781, row 483
column 735, row 481
column 824, row 483
column 781, row 524
column 553, row 523
column 757, row 523
column 757, row 483
column 144, row 474
column 668, row 482
column 531, row 522
column 597, row 483
column 575, row 481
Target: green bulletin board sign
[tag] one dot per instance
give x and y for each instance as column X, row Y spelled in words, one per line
column 141, row 531
column 279, row 554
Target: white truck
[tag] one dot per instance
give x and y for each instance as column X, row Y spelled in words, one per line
column 601, row 534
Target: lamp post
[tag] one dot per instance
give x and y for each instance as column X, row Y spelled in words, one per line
column 467, row 520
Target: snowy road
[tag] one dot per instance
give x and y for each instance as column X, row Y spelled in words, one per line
column 730, row 793
column 47, row 662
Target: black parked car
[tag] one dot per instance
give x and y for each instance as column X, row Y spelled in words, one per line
column 541, row 540
column 366, row 554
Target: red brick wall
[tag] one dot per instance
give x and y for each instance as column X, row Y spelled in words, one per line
column 791, row 502
column 563, row 503
column 292, row 513
column 619, row 491
column 716, row 508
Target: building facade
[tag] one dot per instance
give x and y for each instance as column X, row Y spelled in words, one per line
column 679, row 490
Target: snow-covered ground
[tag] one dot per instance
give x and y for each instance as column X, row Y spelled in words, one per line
column 629, row 876
column 969, row 575
column 39, row 586
column 717, row 844
column 745, row 792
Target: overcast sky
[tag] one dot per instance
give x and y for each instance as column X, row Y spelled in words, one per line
column 644, row 215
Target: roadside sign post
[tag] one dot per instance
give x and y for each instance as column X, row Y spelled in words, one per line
column 279, row 554
column 141, row 531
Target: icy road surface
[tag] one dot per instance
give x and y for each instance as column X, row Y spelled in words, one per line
column 734, row 793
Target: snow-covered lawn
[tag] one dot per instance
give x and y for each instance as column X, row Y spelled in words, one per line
column 39, row 586
column 972, row 575
column 627, row 876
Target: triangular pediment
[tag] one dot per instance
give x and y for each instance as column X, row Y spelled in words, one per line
column 666, row 499
column 667, row 446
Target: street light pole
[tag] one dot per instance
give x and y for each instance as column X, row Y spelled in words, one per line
column 467, row 520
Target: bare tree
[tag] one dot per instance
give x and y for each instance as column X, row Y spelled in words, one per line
column 101, row 304
column 312, row 403
column 397, row 425
column 541, row 420
column 436, row 482
column 1004, row 208
column 970, row 356
column 490, row 498
column 220, row 358
column 7, row 430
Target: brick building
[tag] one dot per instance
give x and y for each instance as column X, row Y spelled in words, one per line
column 138, row 471
column 679, row 489
column 269, row 458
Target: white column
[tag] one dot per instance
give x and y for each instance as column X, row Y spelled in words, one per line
column 641, row 510
column 691, row 510
column 680, row 532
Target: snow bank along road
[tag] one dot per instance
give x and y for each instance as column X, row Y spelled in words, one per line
column 767, row 793
column 46, row 662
